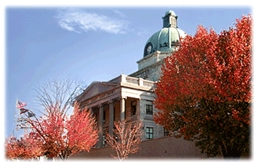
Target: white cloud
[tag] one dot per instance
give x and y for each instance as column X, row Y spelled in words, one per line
column 119, row 13
column 78, row 21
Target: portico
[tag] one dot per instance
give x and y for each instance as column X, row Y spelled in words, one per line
column 116, row 100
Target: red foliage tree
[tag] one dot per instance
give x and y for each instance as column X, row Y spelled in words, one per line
column 204, row 93
column 56, row 134
column 62, row 136
column 82, row 131
column 27, row 147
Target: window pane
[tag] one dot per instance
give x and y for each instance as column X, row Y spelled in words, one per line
column 133, row 107
column 149, row 109
column 149, row 133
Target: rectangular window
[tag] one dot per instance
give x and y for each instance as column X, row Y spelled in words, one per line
column 149, row 107
column 149, row 133
column 133, row 107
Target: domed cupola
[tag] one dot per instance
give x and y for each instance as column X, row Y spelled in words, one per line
column 167, row 39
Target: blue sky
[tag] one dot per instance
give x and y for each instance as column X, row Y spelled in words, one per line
column 87, row 44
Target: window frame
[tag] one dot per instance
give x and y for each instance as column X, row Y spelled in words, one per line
column 149, row 108
column 133, row 107
column 149, row 133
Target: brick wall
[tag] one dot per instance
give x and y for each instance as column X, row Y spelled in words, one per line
column 161, row 148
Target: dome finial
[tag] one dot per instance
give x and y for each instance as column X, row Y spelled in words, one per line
column 170, row 12
column 170, row 19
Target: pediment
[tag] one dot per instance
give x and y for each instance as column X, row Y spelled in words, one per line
column 96, row 88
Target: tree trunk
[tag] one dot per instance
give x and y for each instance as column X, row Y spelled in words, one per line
column 229, row 152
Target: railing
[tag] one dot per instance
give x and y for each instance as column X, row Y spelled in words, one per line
column 133, row 80
column 148, row 83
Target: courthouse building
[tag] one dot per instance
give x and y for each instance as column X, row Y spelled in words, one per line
column 130, row 97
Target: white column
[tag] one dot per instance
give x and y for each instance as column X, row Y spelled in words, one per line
column 122, row 109
column 111, row 118
column 100, row 126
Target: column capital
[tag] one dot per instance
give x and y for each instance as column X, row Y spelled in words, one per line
column 100, row 105
column 123, row 97
column 111, row 101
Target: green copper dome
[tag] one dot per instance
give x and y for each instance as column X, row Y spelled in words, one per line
column 167, row 38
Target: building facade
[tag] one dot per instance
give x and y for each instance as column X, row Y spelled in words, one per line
column 130, row 97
